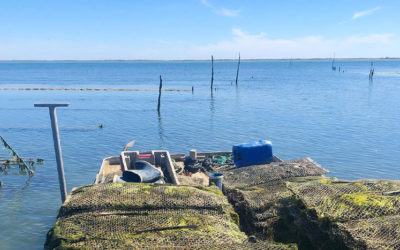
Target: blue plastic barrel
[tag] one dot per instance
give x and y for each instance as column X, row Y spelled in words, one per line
column 252, row 153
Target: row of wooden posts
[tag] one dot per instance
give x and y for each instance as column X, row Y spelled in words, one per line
column 212, row 81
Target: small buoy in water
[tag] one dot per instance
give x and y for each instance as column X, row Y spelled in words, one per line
column 100, row 125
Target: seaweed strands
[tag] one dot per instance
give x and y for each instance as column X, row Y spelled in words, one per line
column 16, row 160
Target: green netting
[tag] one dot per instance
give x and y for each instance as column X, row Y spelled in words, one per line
column 130, row 196
column 146, row 216
column 289, row 202
column 364, row 214
column 318, row 212
column 259, row 207
column 375, row 233
column 343, row 201
column 276, row 171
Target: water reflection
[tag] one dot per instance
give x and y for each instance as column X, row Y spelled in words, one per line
column 237, row 97
column 16, row 202
column 212, row 104
column 301, row 126
column 370, row 88
column 212, row 109
column 161, row 133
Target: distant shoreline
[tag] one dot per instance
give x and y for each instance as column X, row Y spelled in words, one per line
column 204, row 60
column 96, row 89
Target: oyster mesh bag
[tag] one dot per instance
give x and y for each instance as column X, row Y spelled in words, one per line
column 148, row 216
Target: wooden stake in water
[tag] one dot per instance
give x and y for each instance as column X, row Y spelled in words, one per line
column 333, row 61
column 57, row 145
column 371, row 71
column 212, row 72
column 237, row 72
column 159, row 96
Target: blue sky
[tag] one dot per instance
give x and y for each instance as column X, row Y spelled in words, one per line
column 195, row 29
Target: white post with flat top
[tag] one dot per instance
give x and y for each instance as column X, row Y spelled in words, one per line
column 57, row 145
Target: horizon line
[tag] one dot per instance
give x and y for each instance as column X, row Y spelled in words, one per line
column 172, row 60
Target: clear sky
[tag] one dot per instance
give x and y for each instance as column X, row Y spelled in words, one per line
column 195, row 29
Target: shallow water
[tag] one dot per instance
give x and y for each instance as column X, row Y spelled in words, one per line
column 343, row 121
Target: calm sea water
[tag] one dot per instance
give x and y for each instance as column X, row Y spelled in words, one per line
column 343, row 121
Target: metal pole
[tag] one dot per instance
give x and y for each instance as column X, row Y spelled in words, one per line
column 57, row 145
